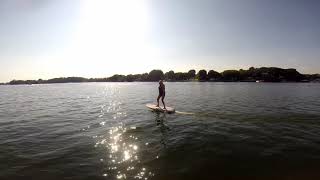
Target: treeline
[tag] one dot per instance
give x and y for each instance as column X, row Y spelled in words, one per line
column 263, row 74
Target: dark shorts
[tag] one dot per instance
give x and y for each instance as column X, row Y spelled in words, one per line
column 162, row 93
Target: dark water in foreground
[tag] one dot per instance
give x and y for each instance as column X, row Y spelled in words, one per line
column 104, row 131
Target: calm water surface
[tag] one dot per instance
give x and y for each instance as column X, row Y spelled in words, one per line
column 104, row 131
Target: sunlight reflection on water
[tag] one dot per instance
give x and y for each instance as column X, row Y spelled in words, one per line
column 122, row 154
column 121, row 147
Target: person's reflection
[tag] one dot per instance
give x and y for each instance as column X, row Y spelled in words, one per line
column 160, row 121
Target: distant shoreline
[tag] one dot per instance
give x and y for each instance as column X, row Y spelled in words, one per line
column 263, row 74
column 282, row 82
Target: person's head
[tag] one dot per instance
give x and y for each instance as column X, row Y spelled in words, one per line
column 161, row 82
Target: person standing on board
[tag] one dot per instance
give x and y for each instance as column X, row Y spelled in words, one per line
column 162, row 93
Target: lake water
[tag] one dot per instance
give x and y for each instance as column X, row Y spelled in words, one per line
column 104, row 131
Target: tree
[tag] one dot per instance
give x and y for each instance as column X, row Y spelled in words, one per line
column 244, row 75
column 192, row 74
column 144, row 77
column 251, row 69
column 292, row 75
column 202, row 75
column 180, row 76
column 169, row 75
column 130, row 78
column 117, row 78
column 67, row 80
column 155, row 75
column 231, row 75
column 213, row 75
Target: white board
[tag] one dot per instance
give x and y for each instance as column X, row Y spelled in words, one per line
column 160, row 109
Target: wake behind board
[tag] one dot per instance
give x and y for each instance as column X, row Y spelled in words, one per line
column 154, row 107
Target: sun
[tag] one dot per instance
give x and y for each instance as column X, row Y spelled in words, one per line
column 110, row 34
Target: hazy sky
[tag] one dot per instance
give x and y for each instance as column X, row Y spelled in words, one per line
column 98, row 38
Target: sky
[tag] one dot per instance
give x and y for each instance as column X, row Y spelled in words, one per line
column 99, row 38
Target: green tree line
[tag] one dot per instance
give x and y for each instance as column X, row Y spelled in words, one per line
column 263, row 74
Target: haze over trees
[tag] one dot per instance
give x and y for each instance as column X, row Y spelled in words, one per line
column 263, row 74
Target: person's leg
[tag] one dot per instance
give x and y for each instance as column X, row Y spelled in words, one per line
column 162, row 99
column 158, row 100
